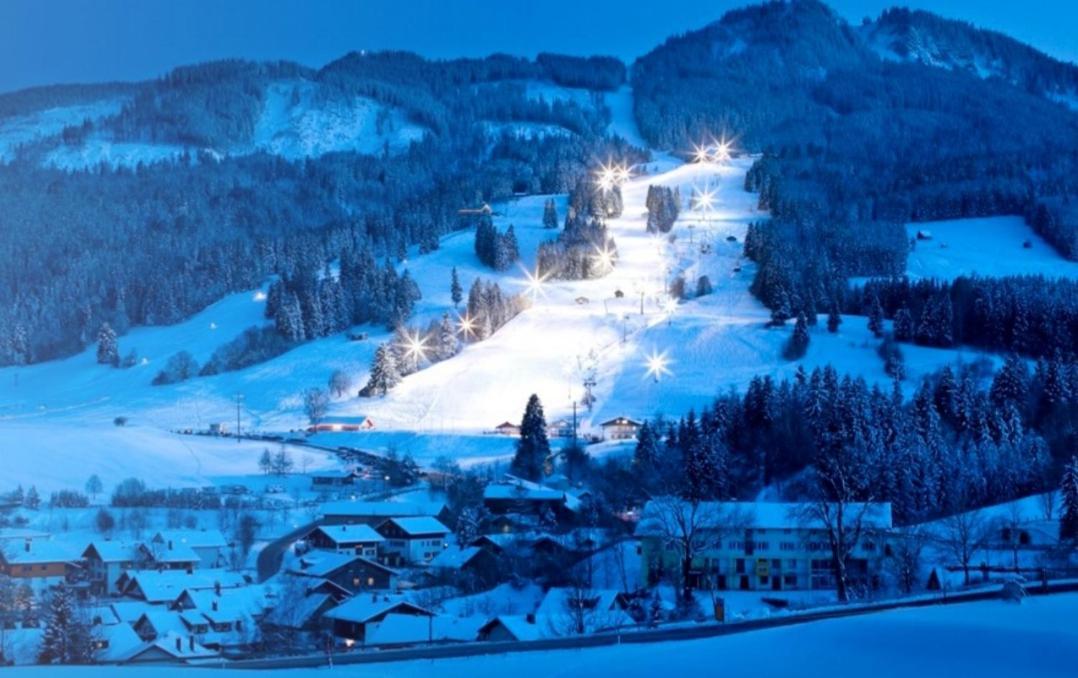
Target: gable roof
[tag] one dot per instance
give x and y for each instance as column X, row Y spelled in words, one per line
column 182, row 650
column 109, row 551
column 418, row 526
column 324, row 563
column 406, row 629
column 363, row 608
column 349, row 534
column 621, row 421
column 455, row 557
column 165, row 586
column 38, row 552
column 518, row 626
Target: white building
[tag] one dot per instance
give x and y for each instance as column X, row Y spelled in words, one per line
column 412, row 540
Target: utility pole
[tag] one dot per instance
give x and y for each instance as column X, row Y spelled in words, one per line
column 641, row 302
column 239, row 405
column 574, row 423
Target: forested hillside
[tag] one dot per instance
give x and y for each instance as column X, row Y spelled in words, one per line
column 151, row 244
column 855, row 145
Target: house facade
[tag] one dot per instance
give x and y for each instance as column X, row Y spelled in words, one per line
column 620, row 428
column 358, row 540
column 412, row 541
column 760, row 546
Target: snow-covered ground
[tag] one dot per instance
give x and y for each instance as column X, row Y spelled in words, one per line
column 986, row 639
column 991, row 246
column 22, row 129
column 55, row 412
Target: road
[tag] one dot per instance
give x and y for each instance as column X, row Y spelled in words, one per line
column 269, row 558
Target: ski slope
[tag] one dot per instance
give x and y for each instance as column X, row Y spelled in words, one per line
column 56, row 412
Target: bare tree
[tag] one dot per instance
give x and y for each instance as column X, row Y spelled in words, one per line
column 842, row 505
column 340, row 383
column 1010, row 527
column 964, row 534
column 315, row 404
column 905, row 560
column 691, row 527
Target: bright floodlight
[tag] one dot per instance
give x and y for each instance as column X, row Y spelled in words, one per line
column 606, row 177
column 534, row 284
column 705, row 200
column 465, row 325
column 416, row 346
column 605, row 257
column 622, row 174
column 670, row 305
column 260, row 295
column 701, row 154
column 658, row 365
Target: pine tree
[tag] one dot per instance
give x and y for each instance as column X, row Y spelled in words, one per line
column 108, row 352
column 456, row 293
column 66, row 636
column 833, row 318
column 384, row 375
column 550, row 214
column 875, row 317
column 33, row 499
column 533, row 448
column 447, row 344
column 903, row 325
column 265, row 462
column 798, row 343
column 1068, row 522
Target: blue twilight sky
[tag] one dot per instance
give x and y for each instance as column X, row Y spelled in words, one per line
column 51, row 41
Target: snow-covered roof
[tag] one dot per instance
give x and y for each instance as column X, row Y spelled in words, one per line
column 113, row 551
column 298, row 613
column 167, row 585
column 407, row 629
column 419, row 525
column 343, row 420
column 621, row 421
column 757, row 515
column 170, row 552
column 325, row 563
column 513, row 488
column 364, row 607
column 558, row 599
column 39, row 551
column 379, row 509
column 237, row 603
column 350, row 534
column 121, row 641
column 455, row 557
column 176, row 645
column 8, row 533
column 517, row 625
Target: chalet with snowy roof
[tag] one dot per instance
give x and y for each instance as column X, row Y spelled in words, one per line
column 106, row 561
column 210, row 547
column 40, row 563
column 404, row 630
column 513, row 628
column 507, row 428
column 770, row 546
column 231, row 615
column 560, row 428
column 358, row 540
column 169, row 649
column 480, row 564
column 165, row 585
column 112, row 643
column 351, row 618
column 620, row 428
column 573, row 611
column 412, row 540
column 375, row 512
column 341, row 424
column 350, row 572
column 518, row 496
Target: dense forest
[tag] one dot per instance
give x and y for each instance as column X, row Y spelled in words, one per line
column 153, row 244
column 854, row 145
column 965, row 439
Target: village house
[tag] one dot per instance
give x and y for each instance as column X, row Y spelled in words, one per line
column 507, row 428
column 165, row 585
column 412, row 540
column 480, row 564
column 514, row 495
column 210, row 547
column 350, row 572
column 106, row 561
column 351, row 618
column 513, row 628
column 359, row 540
column 620, row 428
column 560, row 428
column 40, row 563
column 341, row 424
column 169, row 649
column 760, row 546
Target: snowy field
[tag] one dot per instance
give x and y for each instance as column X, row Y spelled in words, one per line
column 984, row 639
column 991, row 246
column 22, row 129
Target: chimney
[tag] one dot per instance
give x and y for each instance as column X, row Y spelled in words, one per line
column 191, row 643
column 214, row 606
column 26, row 546
column 216, row 589
column 530, row 618
column 179, row 644
column 169, row 544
